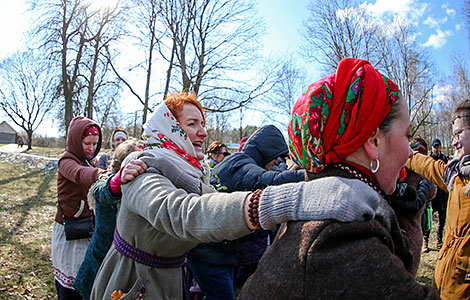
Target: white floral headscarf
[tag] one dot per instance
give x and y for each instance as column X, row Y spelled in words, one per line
column 163, row 131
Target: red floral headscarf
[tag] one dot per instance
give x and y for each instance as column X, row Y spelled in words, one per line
column 338, row 113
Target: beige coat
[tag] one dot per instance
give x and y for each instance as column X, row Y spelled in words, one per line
column 162, row 220
column 452, row 274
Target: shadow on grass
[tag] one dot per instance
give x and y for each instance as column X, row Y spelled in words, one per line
column 24, row 207
column 26, row 175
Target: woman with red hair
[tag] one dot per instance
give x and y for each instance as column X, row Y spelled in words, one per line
column 172, row 208
column 352, row 127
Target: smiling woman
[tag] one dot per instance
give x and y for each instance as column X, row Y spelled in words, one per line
column 188, row 111
column 171, row 208
column 452, row 268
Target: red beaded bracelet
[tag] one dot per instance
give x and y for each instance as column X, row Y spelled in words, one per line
column 253, row 207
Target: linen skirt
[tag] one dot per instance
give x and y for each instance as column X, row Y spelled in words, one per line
column 67, row 256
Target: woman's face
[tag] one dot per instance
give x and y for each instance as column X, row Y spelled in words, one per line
column 118, row 141
column 461, row 138
column 394, row 150
column 192, row 122
column 89, row 144
column 223, row 152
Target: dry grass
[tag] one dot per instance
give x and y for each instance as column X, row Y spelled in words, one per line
column 45, row 151
column 428, row 260
column 50, row 152
column 27, row 210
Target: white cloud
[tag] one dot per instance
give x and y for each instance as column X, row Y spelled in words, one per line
column 435, row 23
column 442, row 93
column 439, row 39
column 409, row 10
column 431, row 22
column 449, row 11
column 458, row 27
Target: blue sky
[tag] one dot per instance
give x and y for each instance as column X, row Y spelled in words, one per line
column 440, row 23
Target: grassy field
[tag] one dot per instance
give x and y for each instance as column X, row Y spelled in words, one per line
column 27, row 210
column 47, row 152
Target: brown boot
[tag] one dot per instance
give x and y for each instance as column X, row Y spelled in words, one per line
column 425, row 246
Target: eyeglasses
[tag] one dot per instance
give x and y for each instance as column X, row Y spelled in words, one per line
column 458, row 133
column 225, row 153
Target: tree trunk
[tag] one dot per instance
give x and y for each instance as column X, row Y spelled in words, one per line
column 30, row 139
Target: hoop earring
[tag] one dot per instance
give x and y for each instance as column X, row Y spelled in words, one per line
column 374, row 170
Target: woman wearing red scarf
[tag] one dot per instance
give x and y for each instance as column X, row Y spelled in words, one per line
column 351, row 126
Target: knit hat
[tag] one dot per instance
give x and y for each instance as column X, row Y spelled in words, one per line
column 420, row 145
column 120, row 134
column 242, row 143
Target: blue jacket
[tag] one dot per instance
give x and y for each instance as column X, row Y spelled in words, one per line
column 244, row 171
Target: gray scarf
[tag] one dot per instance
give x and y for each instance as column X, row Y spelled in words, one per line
column 456, row 168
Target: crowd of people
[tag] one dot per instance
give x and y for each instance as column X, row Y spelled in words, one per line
column 342, row 210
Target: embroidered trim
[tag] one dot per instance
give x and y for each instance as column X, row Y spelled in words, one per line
column 66, row 281
column 146, row 258
column 359, row 175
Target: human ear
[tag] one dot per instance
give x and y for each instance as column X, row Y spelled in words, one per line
column 371, row 146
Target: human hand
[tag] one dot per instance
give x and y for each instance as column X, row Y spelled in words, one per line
column 133, row 169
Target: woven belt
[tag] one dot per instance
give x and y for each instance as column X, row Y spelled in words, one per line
column 146, row 258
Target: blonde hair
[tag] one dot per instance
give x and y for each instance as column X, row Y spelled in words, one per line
column 120, row 153
column 124, row 149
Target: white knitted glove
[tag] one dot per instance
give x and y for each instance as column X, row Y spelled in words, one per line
column 335, row 198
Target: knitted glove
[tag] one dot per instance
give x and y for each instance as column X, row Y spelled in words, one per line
column 163, row 166
column 335, row 198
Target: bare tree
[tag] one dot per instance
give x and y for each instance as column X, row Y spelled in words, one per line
column 212, row 49
column 342, row 28
column 27, row 91
column 217, row 127
column 461, row 76
column 337, row 29
column 75, row 36
column 466, row 13
column 410, row 66
column 144, row 21
column 290, row 81
column 203, row 45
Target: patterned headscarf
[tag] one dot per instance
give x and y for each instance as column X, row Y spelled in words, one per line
column 163, row 131
column 338, row 113
column 117, row 132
